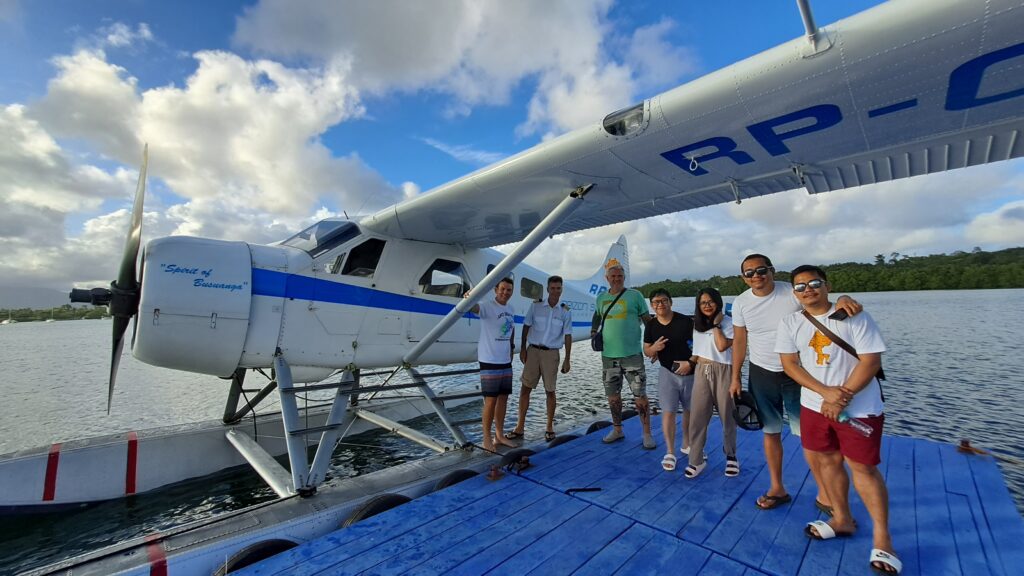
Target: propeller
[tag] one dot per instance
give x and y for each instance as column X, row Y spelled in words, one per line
column 122, row 298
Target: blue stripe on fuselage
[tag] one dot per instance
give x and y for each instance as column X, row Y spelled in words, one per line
column 282, row 285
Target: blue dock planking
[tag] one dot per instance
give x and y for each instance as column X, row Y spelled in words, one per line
column 950, row 513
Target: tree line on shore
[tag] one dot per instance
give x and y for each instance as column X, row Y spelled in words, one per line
column 957, row 271
column 65, row 312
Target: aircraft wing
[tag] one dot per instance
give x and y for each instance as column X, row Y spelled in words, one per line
column 906, row 88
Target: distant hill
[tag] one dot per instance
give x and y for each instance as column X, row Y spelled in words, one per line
column 16, row 297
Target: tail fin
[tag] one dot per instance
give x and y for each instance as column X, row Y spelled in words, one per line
column 597, row 283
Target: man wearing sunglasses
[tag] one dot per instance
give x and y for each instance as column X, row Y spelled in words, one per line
column 756, row 314
column 841, row 409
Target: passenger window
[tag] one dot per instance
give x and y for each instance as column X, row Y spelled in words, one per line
column 531, row 290
column 445, row 278
column 364, row 258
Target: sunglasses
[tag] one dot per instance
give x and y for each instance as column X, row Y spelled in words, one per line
column 759, row 271
column 815, row 284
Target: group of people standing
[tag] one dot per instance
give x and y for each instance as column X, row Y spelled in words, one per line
column 812, row 364
column 811, row 361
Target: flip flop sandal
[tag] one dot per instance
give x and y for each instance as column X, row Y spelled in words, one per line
column 694, row 471
column 771, row 502
column 549, row 436
column 823, row 531
column 513, row 435
column 827, row 510
column 732, row 467
column 668, row 463
column 884, row 558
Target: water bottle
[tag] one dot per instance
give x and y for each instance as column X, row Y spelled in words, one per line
column 859, row 425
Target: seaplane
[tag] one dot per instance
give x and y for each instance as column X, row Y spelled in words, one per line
column 906, row 88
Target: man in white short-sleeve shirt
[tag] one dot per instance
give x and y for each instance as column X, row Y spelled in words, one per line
column 494, row 352
column 842, row 409
column 547, row 327
column 756, row 314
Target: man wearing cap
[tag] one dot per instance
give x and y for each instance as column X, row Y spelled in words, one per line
column 622, row 356
column 546, row 328
column 756, row 314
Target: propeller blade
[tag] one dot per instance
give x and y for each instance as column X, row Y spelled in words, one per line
column 126, row 278
column 124, row 302
column 120, row 325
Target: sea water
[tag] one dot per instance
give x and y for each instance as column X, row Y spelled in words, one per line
column 953, row 370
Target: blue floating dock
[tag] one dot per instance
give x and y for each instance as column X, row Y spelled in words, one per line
column 950, row 513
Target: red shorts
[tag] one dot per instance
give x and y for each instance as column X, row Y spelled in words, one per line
column 819, row 434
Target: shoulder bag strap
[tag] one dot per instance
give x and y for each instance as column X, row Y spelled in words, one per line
column 609, row 309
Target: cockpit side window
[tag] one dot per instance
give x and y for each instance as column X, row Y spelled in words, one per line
column 445, row 278
column 363, row 259
column 323, row 236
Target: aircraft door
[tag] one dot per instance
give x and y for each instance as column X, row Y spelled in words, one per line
column 440, row 287
column 344, row 287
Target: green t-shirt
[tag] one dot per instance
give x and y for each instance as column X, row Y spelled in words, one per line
column 622, row 327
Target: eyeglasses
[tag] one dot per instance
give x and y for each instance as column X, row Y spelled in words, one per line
column 706, row 303
column 659, row 302
column 815, row 284
column 759, row 271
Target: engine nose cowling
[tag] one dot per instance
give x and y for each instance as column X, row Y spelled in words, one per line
column 194, row 308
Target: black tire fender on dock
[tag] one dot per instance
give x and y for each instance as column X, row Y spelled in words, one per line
column 454, row 477
column 559, row 440
column 513, row 458
column 594, row 427
column 627, row 414
column 254, row 553
column 374, row 506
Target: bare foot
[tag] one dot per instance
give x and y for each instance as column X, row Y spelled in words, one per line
column 500, row 439
column 488, row 446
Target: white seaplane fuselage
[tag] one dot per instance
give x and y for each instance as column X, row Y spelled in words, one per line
column 212, row 306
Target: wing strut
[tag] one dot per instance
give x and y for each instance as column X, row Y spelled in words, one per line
column 546, row 227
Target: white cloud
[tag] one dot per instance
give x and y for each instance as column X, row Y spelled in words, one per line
column 238, row 138
column 120, row 35
column 477, row 52
column 917, row 216
column 1003, row 226
column 464, row 153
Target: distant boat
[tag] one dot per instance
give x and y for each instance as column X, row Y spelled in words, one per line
column 9, row 320
column 50, row 319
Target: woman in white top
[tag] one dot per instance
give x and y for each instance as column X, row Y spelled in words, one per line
column 712, row 350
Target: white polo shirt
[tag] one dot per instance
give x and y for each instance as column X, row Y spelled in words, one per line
column 548, row 326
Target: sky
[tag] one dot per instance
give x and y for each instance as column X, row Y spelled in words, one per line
column 264, row 117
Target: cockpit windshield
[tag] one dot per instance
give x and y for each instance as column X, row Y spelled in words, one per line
column 323, row 236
